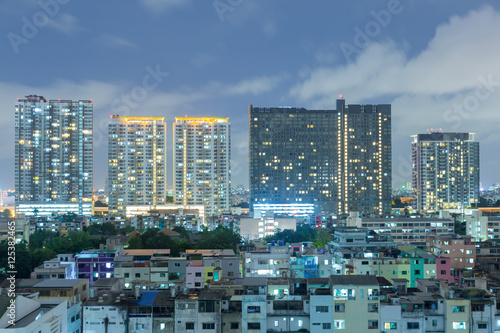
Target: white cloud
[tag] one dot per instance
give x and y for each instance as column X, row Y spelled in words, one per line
column 437, row 88
column 115, row 41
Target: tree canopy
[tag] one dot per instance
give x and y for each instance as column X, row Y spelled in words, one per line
column 304, row 233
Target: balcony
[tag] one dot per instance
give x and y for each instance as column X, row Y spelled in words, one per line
column 412, row 315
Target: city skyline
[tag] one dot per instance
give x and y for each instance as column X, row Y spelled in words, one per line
column 443, row 76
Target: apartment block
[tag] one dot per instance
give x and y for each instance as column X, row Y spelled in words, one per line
column 55, row 269
column 445, row 172
column 71, row 290
column 202, row 163
column 405, row 229
column 459, row 248
column 53, row 153
column 356, row 302
column 272, row 263
column 354, row 238
column 95, row 264
column 292, row 161
column 137, row 162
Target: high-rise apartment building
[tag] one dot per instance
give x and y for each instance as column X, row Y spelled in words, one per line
column 445, row 170
column 53, row 154
column 202, row 163
column 338, row 160
column 137, row 157
column 364, row 156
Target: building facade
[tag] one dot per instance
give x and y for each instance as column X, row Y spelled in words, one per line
column 202, row 163
column 137, row 158
column 53, row 151
column 445, row 172
column 339, row 160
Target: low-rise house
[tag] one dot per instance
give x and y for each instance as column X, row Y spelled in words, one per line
column 71, row 290
column 95, row 264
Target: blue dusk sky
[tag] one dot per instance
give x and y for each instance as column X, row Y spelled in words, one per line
column 436, row 62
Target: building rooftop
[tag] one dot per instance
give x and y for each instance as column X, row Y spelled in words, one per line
column 212, row 253
column 147, row 298
column 383, row 282
column 353, row 280
column 59, row 283
column 107, row 298
column 405, row 219
column 163, row 298
column 211, row 294
column 145, row 252
column 320, row 281
column 255, row 281
column 105, row 282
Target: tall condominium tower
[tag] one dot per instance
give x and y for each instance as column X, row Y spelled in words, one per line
column 445, row 171
column 53, row 155
column 137, row 157
column 364, row 151
column 336, row 160
column 202, row 163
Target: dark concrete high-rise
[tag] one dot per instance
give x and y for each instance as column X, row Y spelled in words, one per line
column 53, row 155
column 445, row 171
column 339, row 160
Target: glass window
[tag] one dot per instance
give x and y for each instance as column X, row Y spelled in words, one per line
column 339, row 324
column 390, row 326
column 459, row 325
column 413, row 325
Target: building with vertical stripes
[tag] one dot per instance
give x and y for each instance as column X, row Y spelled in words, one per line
column 337, row 160
column 202, row 163
column 445, row 171
column 53, row 155
column 137, row 162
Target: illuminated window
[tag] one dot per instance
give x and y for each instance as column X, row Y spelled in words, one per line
column 459, row 325
column 390, row 326
column 339, row 324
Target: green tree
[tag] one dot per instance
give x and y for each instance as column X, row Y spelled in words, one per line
column 6, row 213
column 135, row 242
column 105, row 229
column 126, row 230
column 182, row 231
column 21, row 263
column 220, row 238
column 39, row 239
column 323, row 236
column 38, row 256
